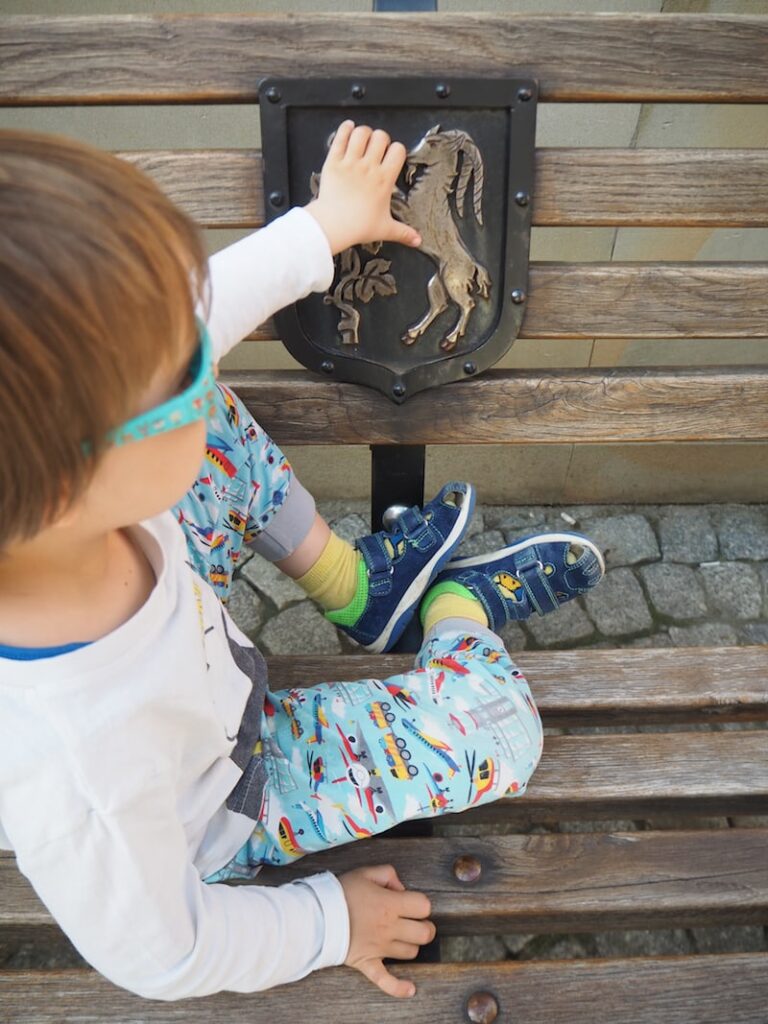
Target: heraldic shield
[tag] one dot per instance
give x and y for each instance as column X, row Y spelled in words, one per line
column 395, row 318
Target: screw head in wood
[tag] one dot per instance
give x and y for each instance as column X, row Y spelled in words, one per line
column 482, row 1008
column 467, row 868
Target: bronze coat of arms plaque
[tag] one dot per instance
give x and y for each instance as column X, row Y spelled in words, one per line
column 395, row 318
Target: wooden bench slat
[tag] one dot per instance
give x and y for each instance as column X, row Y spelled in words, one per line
column 540, row 883
column 642, row 775
column 577, row 881
column 156, row 58
column 639, row 300
column 641, row 990
column 651, row 187
column 590, row 688
column 513, row 407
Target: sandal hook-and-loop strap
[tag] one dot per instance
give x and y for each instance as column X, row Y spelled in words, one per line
column 378, row 563
column 416, row 529
column 530, row 572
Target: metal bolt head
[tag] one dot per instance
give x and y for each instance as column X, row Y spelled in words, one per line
column 443, row 90
column 467, row 869
column 276, row 199
column 470, row 368
column 518, row 296
column 524, row 94
column 358, row 91
column 482, row 1008
column 273, row 94
column 327, row 366
column 398, row 390
column 522, row 198
column 391, row 515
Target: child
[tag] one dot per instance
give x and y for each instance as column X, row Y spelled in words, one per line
column 143, row 761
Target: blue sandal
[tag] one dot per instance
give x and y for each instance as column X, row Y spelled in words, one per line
column 536, row 574
column 398, row 565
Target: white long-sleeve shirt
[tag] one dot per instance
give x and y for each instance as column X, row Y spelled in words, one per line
column 116, row 758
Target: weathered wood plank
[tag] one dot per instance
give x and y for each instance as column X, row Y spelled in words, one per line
column 641, row 775
column 640, row 300
column 641, row 990
column 541, row 883
column 589, row 688
column 651, row 187
column 655, row 300
column 574, row 882
column 157, row 58
column 510, row 407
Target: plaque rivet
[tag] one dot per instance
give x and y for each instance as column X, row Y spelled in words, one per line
column 522, row 198
column 482, row 1008
column 358, row 91
column 467, row 868
column 443, row 90
column 524, row 95
column 518, row 296
column 273, row 94
column 398, row 390
column 327, row 366
column 276, row 198
column 469, row 368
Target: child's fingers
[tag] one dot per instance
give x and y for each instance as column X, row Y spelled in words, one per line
column 376, row 972
column 358, row 141
column 377, row 147
column 394, row 160
column 385, row 876
column 414, row 905
column 415, row 932
column 402, row 950
column 340, row 139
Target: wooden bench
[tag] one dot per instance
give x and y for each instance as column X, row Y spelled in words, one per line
column 528, row 881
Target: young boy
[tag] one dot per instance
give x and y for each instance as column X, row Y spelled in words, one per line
column 143, row 761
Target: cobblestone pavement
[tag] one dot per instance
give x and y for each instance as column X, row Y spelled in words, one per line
column 678, row 575
column 692, row 575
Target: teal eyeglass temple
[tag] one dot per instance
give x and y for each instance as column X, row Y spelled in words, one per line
column 194, row 403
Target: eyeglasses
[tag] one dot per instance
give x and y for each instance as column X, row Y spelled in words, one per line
column 195, row 402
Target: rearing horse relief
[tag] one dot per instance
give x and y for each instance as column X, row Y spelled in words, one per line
column 426, row 207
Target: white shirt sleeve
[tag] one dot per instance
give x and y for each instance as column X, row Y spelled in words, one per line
column 264, row 272
column 124, row 890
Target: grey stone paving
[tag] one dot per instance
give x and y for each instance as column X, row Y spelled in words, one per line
column 676, row 575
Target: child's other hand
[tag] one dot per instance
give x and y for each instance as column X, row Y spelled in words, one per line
column 385, row 919
column 356, row 185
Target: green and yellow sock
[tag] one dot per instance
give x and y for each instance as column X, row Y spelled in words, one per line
column 450, row 600
column 338, row 581
column 332, row 580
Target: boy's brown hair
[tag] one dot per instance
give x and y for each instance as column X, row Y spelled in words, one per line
column 99, row 277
